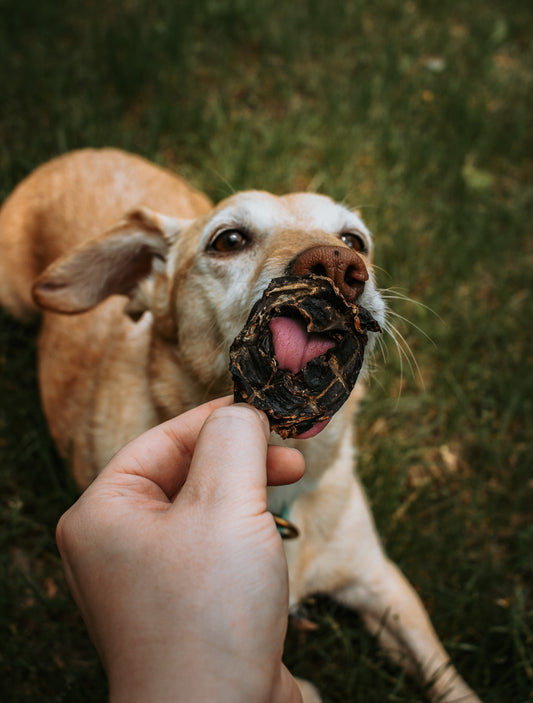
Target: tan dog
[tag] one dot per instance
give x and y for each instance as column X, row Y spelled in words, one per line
column 80, row 227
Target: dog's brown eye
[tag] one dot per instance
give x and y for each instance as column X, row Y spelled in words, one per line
column 229, row 241
column 354, row 241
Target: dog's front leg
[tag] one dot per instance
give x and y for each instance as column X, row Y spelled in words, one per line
column 339, row 553
column 392, row 610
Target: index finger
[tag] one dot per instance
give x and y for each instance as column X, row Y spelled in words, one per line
column 163, row 454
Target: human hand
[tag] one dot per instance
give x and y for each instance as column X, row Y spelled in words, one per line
column 177, row 566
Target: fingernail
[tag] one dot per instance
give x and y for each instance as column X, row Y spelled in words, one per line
column 260, row 414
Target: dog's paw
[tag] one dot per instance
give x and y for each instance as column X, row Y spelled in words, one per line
column 456, row 691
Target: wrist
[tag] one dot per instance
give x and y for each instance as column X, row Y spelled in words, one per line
column 236, row 685
column 286, row 690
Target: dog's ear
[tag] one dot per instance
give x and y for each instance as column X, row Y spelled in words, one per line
column 115, row 263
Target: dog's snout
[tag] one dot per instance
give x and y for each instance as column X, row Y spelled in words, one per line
column 343, row 266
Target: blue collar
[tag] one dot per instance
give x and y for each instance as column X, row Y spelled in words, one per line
column 286, row 528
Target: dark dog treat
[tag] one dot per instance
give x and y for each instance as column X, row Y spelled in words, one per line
column 299, row 354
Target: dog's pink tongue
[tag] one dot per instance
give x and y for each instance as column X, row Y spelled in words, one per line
column 294, row 346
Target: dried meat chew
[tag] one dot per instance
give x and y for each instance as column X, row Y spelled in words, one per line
column 300, row 352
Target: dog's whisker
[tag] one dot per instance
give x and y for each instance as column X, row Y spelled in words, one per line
column 401, row 354
column 403, row 347
column 383, row 349
column 404, row 350
column 220, row 176
column 384, row 271
column 398, row 294
column 412, row 324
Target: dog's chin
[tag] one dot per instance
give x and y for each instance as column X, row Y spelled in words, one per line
column 316, row 429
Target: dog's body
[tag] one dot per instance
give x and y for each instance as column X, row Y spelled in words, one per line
column 191, row 276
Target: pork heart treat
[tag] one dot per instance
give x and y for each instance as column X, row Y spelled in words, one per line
column 299, row 354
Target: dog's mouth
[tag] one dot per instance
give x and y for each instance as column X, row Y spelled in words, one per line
column 299, row 354
column 295, row 347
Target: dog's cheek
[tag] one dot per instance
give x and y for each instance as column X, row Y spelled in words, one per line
column 372, row 300
column 200, row 338
column 230, row 297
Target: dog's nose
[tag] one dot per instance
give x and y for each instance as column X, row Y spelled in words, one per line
column 343, row 266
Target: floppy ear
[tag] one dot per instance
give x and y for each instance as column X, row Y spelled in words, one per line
column 115, row 263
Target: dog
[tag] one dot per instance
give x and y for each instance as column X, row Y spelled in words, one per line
column 143, row 285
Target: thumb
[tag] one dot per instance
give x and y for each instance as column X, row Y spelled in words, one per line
column 229, row 462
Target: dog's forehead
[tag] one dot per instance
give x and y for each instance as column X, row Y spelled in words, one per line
column 259, row 210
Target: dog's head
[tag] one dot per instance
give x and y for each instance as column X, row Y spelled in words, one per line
column 200, row 278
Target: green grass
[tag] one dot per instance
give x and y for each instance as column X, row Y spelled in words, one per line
column 419, row 113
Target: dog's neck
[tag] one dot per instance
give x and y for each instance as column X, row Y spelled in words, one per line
column 175, row 389
column 173, row 385
column 331, row 450
column 280, row 498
